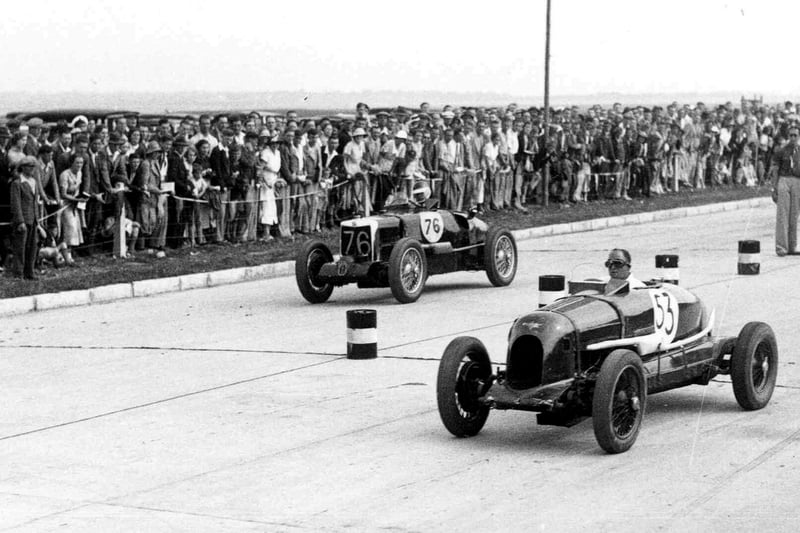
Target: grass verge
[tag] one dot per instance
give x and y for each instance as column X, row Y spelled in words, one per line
column 105, row 270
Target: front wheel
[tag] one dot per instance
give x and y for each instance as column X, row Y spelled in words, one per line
column 464, row 373
column 619, row 399
column 408, row 270
column 500, row 256
column 312, row 255
column 754, row 365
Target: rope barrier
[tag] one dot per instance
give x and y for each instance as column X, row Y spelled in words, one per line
column 42, row 219
column 277, row 197
column 618, row 173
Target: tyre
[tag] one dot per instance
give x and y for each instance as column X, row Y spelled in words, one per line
column 313, row 254
column 619, row 400
column 500, row 256
column 464, row 372
column 754, row 365
column 408, row 270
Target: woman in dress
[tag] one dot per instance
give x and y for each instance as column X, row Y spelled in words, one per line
column 268, row 179
column 69, row 183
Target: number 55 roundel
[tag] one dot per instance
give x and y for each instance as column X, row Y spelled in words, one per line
column 431, row 226
column 665, row 314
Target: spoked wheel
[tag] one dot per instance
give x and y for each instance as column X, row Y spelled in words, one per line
column 619, row 400
column 464, row 374
column 500, row 256
column 408, row 270
column 754, row 365
column 310, row 259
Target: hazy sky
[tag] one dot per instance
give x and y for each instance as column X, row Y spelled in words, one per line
column 633, row 46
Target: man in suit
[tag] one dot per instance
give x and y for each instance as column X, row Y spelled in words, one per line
column 222, row 177
column 96, row 186
column 61, row 146
column 333, row 174
column 178, row 174
column 244, row 189
column 24, row 203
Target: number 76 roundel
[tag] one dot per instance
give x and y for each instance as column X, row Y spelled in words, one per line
column 665, row 314
column 431, row 226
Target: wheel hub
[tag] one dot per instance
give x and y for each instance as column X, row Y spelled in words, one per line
column 635, row 403
column 632, row 400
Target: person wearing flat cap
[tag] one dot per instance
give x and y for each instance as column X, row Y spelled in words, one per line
column 178, row 173
column 33, row 141
column 24, row 204
column 117, row 161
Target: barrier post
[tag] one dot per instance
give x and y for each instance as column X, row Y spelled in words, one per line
column 120, row 243
column 749, row 258
column 362, row 334
column 667, row 267
column 551, row 288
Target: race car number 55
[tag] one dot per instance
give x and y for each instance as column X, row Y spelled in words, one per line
column 665, row 314
column 432, row 226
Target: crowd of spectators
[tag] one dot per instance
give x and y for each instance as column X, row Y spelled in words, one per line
column 240, row 177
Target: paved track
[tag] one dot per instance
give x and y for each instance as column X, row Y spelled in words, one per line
column 233, row 409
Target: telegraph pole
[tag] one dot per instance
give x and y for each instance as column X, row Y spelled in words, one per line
column 547, row 107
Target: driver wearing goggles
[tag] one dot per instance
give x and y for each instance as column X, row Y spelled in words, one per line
column 619, row 271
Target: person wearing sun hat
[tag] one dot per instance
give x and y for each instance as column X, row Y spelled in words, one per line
column 151, row 211
column 268, row 182
column 353, row 198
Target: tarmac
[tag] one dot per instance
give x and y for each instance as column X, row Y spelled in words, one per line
column 234, row 408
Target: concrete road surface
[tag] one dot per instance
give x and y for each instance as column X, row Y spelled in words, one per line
column 234, row 409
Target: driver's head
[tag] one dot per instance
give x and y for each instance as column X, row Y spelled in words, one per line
column 421, row 193
column 619, row 263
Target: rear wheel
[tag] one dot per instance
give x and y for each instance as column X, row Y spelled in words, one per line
column 619, row 399
column 408, row 270
column 464, row 372
column 754, row 365
column 313, row 254
column 500, row 256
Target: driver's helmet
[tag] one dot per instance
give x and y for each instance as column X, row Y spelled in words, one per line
column 421, row 193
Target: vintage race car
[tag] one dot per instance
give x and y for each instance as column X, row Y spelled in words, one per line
column 600, row 356
column 400, row 250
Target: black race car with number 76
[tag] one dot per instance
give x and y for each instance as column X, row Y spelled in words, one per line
column 400, row 250
column 599, row 355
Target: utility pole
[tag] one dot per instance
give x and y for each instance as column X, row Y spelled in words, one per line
column 547, row 107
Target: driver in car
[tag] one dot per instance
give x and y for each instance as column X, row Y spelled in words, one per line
column 619, row 270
